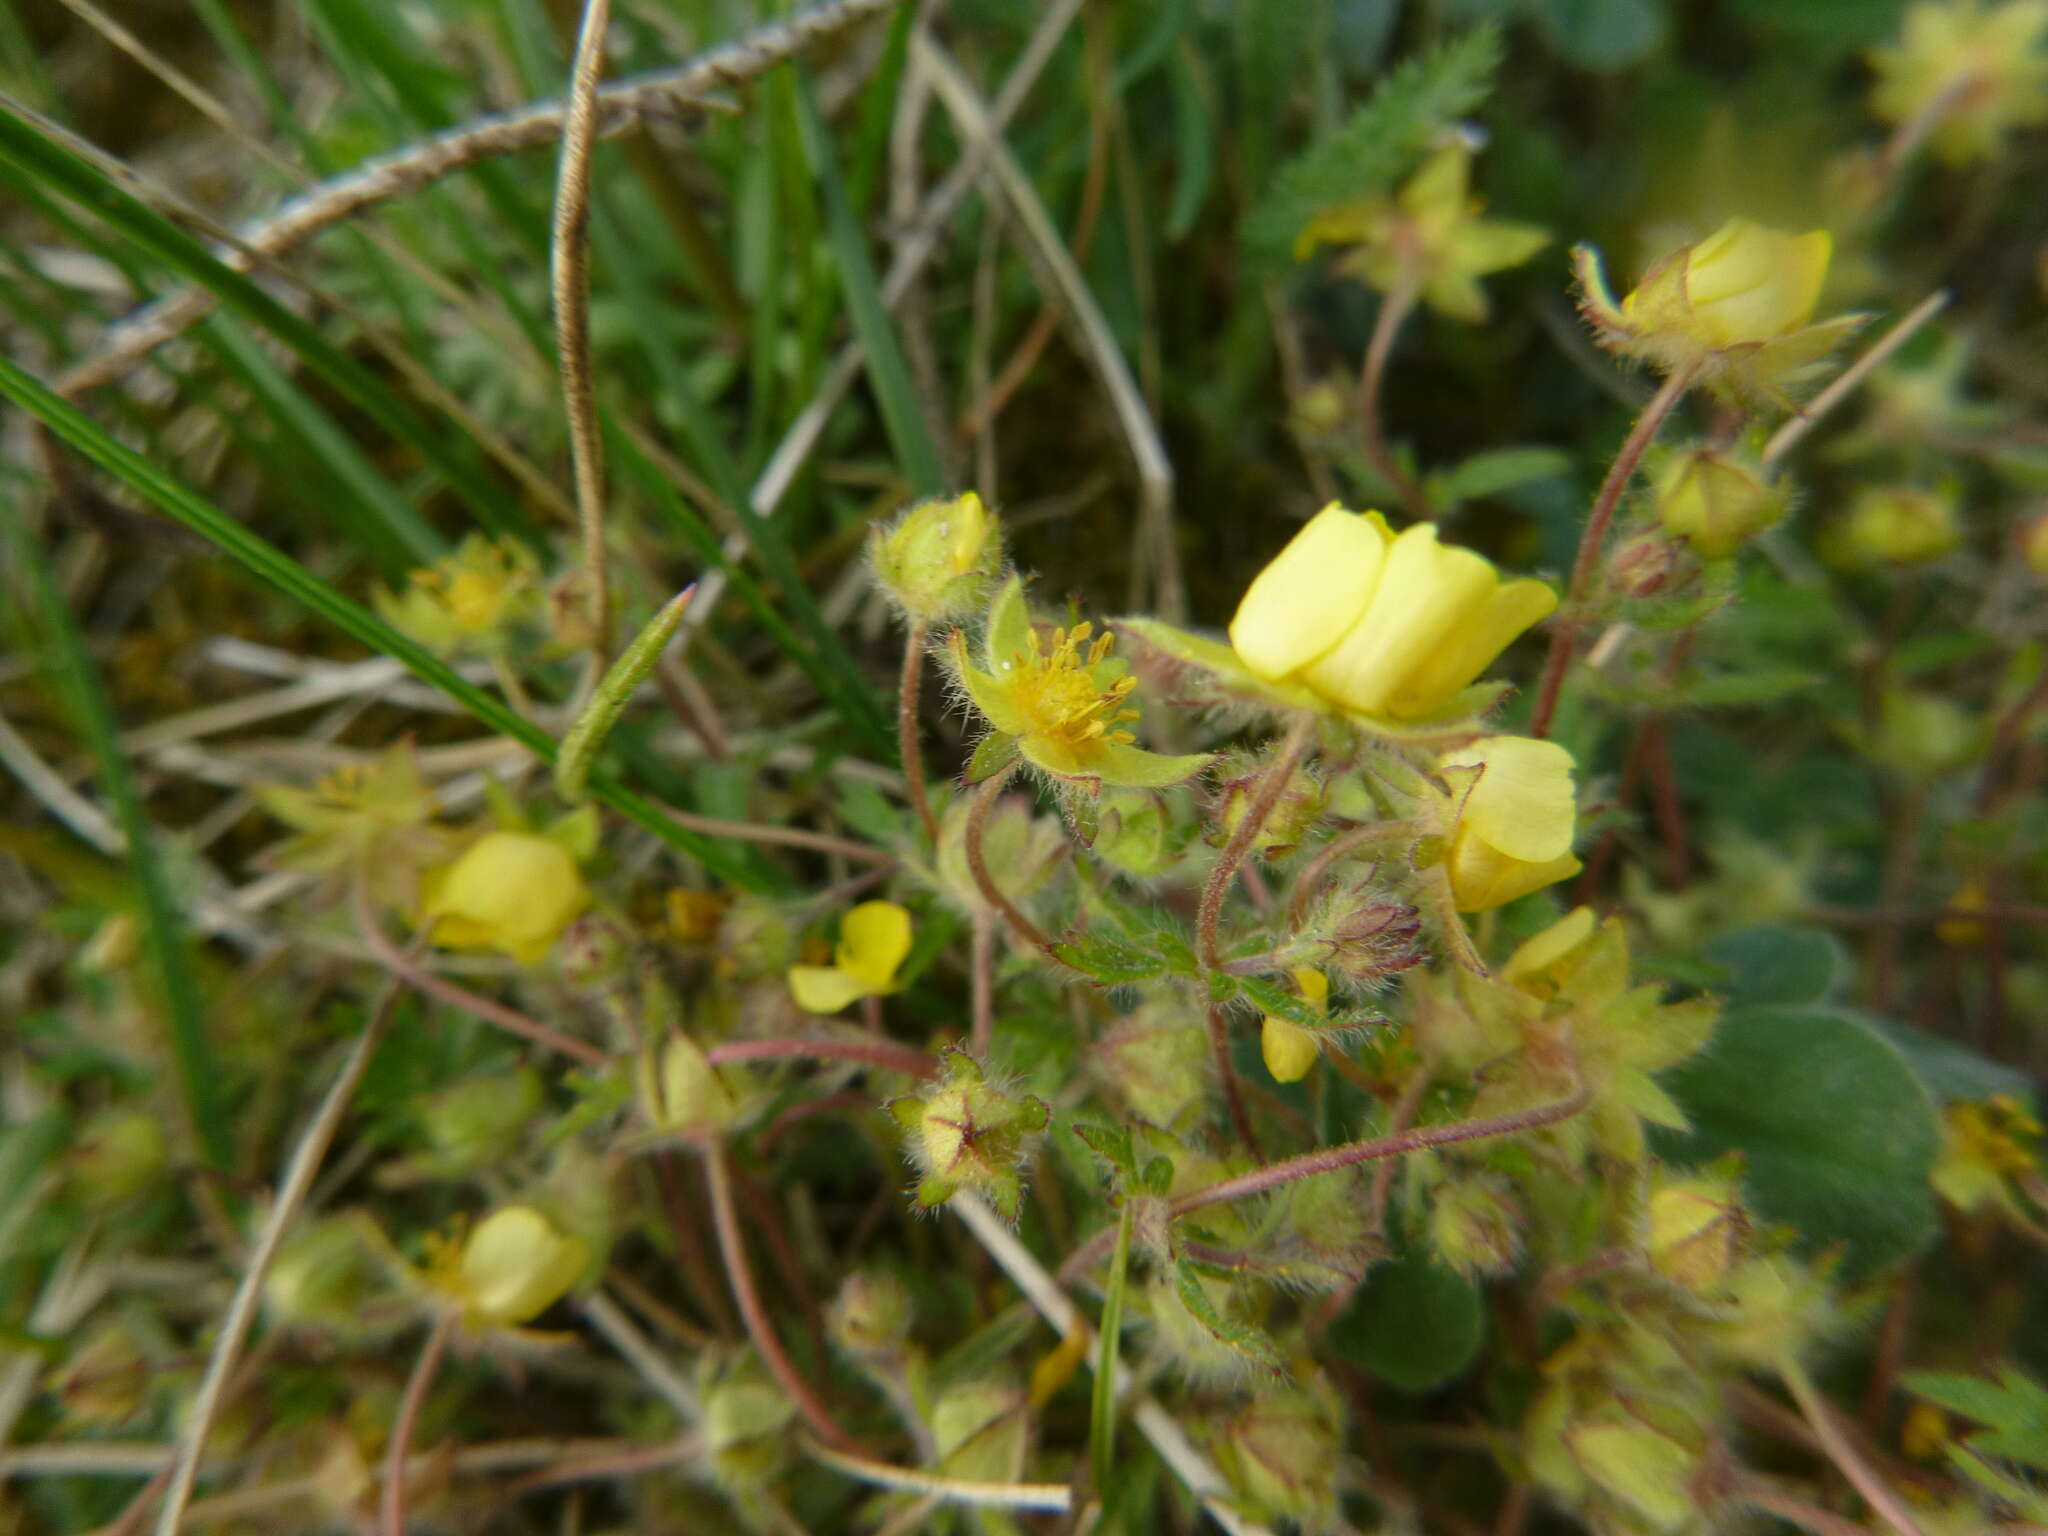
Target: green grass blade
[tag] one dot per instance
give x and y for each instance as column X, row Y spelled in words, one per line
column 295, row 581
column 1102, row 1412
column 39, row 158
column 902, row 418
column 163, row 934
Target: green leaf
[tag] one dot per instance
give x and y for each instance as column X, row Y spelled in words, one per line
column 1380, row 143
column 992, row 754
column 1414, row 1323
column 163, row 930
column 1110, row 961
column 1102, row 1410
column 2014, row 1411
column 1837, row 1133
column 1500, row 469
column 1602, row 34
column 1195, row 141
column 1252, row 1343
column 1950, row 1069
column 1283, row 1003
column 1778, row 965
column 621, row 680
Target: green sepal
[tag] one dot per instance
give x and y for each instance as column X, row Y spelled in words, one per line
column 992, row 754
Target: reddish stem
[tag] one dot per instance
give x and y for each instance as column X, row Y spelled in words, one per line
column 1394, row 309
column 690, row 1250
column 1351, row 1154
column 1271, row 786
column 1226, row 1072
column 885, row 1054
column 1564, row 638
column 399, row 1450
column 977, row 865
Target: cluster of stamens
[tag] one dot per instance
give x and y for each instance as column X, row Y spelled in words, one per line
column 1057, row 691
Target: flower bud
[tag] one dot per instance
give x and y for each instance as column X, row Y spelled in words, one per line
column 1647, row 563
column 1775, row 1308
column 870, row 1317
column 939, row 561
column 105, row 1383
column 979, row 1429
column 1902, row 525
column 681, row 1093
column 1476, row 1225
column 1964, row 75
column 1647, row 1467
column 1157, row 1059
column 1289, row 1049
column 511, row 891
column 968, row 1133
column 514, row 1266
column 1716, row 501
column 1280, row 1452
column 325, row 1276
column 1320, row 409
column 118, row 1155
column 1697, row 1228
column 475, row 1122
column 1298, row 808
column 1925, row 735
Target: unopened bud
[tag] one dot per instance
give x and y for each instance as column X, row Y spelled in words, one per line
column 105, row 1382
column 476, row 1121
column 1369, row 936
column 1134, row 833
column 592, row 950
column 1647, row 563
column 1925, row 735
column 1476, row 1225
column 1157, row 1059
column 969, row 1133
column 681, row 1092
column 324, row 1276
column 1648, row 1468
column 1297, row 809
column 745, row 1424
column 1696, row 1233
column 1716, row 501
column 1902, row 525
column 979, row 1430
column 939, row 561
column 870, row 1317
column 118, row 1155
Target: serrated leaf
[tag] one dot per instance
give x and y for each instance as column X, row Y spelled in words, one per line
column 1109, row 961
column 1111, row 1143
column 1252, row 1343
column 2013, row 1411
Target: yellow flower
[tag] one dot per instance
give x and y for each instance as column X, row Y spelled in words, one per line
column 873, row 939
column 1902, row 525
column 511, row 1268
column 1066, row 703
column 1966, row 75
column 1429, row 236
column 1380, row 625
column 1513, row 833
column 467, row 599
column 1736, row 306
column 1290, row 1050
column 1715, row 501
column 512, row 891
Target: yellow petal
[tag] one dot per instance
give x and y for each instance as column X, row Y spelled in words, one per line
column 1522, row 802
column 516, row 1265
column 1313, row 591
column 1482, row 877
column 1748, row 284
column 873, row 939
column 1426, row 594
column 1471, row 648
column 825, row 988
column 1313, row 986
column 511, row 891
column 1289, row 1050
column 1551, row 945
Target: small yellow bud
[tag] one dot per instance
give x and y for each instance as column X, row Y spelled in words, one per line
column 1514, row 823
column 1715, row 501
column 939, row 561
column 514, row 1266
column 1379, row 624
column 512, row 891
column 1696, row 1232
column 1902, row 525
column 1925, row 735
column 1289, row 1049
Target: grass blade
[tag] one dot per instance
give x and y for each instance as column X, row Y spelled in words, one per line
column 163, row 934
column 1102, row 1414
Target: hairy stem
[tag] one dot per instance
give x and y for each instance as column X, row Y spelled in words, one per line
column 1564, row 638
column 977, row 865
column 732, row 1246
column 1310, row 879
column 1820, row 1418
column 1226, row 1073
column 391, row 1515
column 1253, row 822
column 1396, row 1144
column 907, row 748
column 1394, row 310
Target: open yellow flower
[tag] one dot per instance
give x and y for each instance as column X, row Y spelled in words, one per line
column 1736, row 306
column 1428, row 237
column 1289, row 1050
column 873, row 939
column 1968, row 74
column 466, row 600
column 1513, row 833
column 1065, row 703
column 511, row 891
column 1380, row 625
column 511, row 1268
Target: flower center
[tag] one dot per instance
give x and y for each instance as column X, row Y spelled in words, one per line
column 1059, row 697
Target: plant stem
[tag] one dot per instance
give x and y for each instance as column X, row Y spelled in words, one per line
column 1396, row 1144
column 732, row 1246
column 885, row 1054
column 981, row 967
column 1821, row 1419
column 1399, row 1120
column 1253, row 822
column 697, row 1276
column 511, row 1020
column 1565, row 637
column 1758, row 1494
column 977, row 825
column 1226, row 1073
column 1787, row 437
column 392, row 1505
column 1311, row 877
column 907, row 690
column 1394, row 309
column 788, row 837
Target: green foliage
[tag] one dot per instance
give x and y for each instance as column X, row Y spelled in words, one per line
column 1414, row 1324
